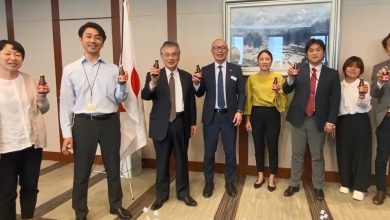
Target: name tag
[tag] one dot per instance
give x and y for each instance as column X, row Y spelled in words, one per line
column 91, row 107
column 233, row 78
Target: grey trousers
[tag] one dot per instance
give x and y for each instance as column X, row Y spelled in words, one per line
column 300, row 137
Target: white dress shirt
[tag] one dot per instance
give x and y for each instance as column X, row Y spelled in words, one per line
column 350, row 102
column 178, row 89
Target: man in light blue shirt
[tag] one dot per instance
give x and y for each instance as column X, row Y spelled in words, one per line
column 90, row 94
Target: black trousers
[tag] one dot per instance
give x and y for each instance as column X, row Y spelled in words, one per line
column 176, row 141
column 382, row 153
column 87, row 134
column 23, row 167
column 354, row 149
column 265, row 123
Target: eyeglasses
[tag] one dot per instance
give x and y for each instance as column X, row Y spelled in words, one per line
column 168, row 55
column 219, row 47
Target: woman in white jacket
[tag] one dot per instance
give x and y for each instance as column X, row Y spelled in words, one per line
column 22, row 133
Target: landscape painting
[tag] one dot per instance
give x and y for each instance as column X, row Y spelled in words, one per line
column 283, row 27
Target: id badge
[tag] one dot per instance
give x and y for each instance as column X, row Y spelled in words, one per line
column 91, row 107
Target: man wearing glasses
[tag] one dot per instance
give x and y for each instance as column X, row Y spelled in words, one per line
column 172, row 122
column 224, row 86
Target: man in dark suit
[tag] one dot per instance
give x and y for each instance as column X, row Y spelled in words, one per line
column 224, row 86
column 380, row 91
column 172, row 122
column 312, row 113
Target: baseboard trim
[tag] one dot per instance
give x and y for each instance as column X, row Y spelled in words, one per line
column 284, row 173
column 196, row 166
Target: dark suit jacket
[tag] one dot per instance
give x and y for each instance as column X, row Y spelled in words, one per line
column 381, row 96
column 234, row 89
column 159, row 116
column 327, row 100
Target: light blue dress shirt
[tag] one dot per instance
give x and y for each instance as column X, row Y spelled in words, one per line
column 89, row 84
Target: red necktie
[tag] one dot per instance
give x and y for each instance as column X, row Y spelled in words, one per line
column 310, row 103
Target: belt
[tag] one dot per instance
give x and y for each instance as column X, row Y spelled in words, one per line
column 179, row 114
column 224, row 110
column 96, row 117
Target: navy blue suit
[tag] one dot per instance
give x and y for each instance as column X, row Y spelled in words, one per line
column 215, row 123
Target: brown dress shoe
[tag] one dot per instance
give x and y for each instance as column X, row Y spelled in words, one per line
column 379, row 198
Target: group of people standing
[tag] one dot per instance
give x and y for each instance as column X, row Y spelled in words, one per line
column 91, row 91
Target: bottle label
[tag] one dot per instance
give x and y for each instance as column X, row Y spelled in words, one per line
column 42, row 89
column 385, row 78
column 122, row 79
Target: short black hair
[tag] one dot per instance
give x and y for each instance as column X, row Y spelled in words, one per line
column 170, row 44
column 95, row 26
column 267, row 52
column 384, row 41
column 354, row 60
column 15, row 46
column 315, row 41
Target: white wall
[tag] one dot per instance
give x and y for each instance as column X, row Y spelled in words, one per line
column 149, row 19
column 363, row 26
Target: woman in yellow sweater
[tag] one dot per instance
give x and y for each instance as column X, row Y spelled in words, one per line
column 265, row 100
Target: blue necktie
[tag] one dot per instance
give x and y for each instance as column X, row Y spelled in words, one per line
column 221, row 97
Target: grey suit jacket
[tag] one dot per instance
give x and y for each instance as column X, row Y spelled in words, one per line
column 234, row 90
column 327, row 100
column 381, row 96
column 159, row 115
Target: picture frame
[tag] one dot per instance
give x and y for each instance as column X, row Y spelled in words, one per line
column 281, row 26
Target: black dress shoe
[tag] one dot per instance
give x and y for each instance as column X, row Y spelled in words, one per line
column 271, row 188
column 208, row 190
column 189, row 201
column 121, row 213
column 258, row 185
column 379, row 198
column 290, row 191
column 157, row 204
column 231, row 190
column 319, row 194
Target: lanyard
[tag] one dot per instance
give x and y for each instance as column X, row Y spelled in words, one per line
column 94, row 80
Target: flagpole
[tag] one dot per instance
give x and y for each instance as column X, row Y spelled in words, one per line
column 121, row 53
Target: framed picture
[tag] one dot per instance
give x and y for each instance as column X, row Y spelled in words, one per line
column 281, row 26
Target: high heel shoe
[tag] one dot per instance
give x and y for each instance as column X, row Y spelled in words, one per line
column 258, row 185
column 271, row 188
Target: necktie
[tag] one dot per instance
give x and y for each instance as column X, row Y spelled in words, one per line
column 221, row 97
column 310, row 103
column 172, row 115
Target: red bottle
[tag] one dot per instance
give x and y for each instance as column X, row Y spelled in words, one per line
column 42, row 86
column 197, row 69
column 361, row 87
column 156, row 66
column 122, row 76
column 385, row 76
column 295, row 67
column 275, row 84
